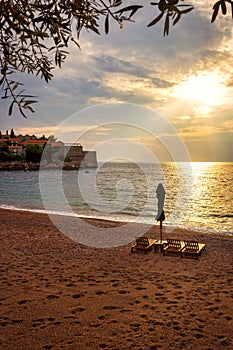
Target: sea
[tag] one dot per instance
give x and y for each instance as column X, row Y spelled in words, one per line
column 198, row 195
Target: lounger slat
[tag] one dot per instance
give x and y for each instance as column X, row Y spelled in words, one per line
column 192, row 249
column 143, row 244
column 173, row 247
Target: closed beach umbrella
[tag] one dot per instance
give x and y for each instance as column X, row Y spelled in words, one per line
column 160, row 193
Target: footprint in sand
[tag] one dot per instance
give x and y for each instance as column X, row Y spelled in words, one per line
column 24, row 301
column 100, row 292
column 77, row 296
column 110, row 307
column 69, row 285
column 16, row 321
column 52, row 296
column 126, row 310
column 78, row 309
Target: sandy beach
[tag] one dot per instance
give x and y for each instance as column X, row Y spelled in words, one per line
column 58, row 294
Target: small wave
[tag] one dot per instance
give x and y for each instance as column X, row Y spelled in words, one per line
column 39, row 211
column 121, row 217
column 206, row 230
column 222, row 216
column 65, row 213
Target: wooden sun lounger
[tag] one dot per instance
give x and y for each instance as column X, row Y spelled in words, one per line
column 143, row 244
column 192, row 249
column 173, row 246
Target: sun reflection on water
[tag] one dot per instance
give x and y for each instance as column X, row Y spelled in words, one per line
column 212, row 184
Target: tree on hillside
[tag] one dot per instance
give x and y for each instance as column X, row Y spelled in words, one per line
column 52, row 138
column 4, row 147
column 12, row 134
column 35, row 35
column 33, row 153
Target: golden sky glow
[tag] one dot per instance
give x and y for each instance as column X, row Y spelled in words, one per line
column 205, row 88
column 186, row 77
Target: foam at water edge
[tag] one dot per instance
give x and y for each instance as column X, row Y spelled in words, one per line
column 115, row 219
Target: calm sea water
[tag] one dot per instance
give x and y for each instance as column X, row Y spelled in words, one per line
column 198, row 195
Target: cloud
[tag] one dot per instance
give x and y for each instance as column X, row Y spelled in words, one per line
column 113, row 64
column 230, row 81
column 138, row 65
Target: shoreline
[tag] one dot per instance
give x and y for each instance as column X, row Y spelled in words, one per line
column 22, row 165
column 111, row 219
column 58, row 294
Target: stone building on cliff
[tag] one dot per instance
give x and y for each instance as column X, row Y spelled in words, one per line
column 54, row 153
column 75, row 154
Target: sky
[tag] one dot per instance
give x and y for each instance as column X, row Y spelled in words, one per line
column 136, row 90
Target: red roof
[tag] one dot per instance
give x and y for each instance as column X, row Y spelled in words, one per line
column 38, row 142
column 57, row 144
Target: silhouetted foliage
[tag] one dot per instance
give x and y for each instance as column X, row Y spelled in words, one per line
column 221, row 4
column 33, row 153
column 52, row 138
column 4, row 147
column 35, row 35
column 12, row 134
column 171, row 10
column 4, row 156
column 9, row 157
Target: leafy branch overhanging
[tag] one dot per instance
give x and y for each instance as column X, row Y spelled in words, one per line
column 35, row 35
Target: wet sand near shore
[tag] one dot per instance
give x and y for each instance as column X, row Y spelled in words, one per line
column 58, row 294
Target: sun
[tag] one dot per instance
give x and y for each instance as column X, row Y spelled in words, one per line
column 205, row 89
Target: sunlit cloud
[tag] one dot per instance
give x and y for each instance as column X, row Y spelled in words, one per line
column 205, row 88
column 37, row 131
column 187, row 78
column 184, row 117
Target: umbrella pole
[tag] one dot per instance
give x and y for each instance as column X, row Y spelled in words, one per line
column 161, row 230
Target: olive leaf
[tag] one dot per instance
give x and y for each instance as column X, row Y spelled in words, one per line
column 35, row 35
column 156, row 20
